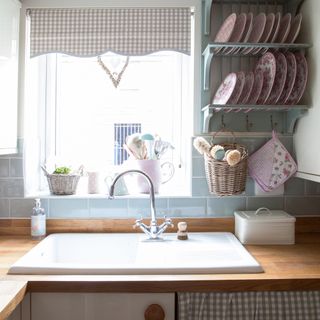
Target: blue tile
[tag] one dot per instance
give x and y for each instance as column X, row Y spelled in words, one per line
column 16, row 167
column 294, row 186
column 105, row 208
column 303, row 205
column 275, row 203
column 68, row 208
column 225, row 207
column 187, row 207
column 11, row 188
column 4, row 168
column 23, row 207
column 200, row 187
column 141, row 207
column 198, row 167
column 4, row 208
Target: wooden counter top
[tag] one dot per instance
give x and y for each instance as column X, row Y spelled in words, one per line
column 293, row 267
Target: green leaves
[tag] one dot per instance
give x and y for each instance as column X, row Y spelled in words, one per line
column 62, row 170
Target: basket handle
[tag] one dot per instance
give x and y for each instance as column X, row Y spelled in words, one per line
column 45, row 170
column 223, row 129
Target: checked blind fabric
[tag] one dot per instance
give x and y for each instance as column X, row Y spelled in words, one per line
column 86, row 32
column 280, row 305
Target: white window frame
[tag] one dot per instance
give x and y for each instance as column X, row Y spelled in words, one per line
column 190, row 127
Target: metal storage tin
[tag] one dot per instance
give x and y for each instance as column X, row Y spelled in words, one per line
column 264, row 226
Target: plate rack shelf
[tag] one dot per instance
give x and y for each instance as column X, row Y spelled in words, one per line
column 212, row 51
column 293, row 113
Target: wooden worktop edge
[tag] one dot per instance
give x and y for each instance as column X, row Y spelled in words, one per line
column 21, row 227
column 11, row 294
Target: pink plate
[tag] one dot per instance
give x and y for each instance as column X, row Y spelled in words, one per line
column 301, row 79
column 237, row 31
column 266, row 64
column 248, row 28
column 291, row 76
column 238, row 88
column 257, row 87
column 295, row 28
column 225, row 90
column 225, row 31
column 267, row 31
column 280, row 79
column 258, row 26
column 247, row 88
column 276, row 27
column 284, row 28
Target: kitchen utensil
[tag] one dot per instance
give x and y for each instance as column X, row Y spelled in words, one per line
column 149, row 142
column 136, row 146
column 161, row 147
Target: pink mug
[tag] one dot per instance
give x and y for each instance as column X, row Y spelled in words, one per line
column 159, row 173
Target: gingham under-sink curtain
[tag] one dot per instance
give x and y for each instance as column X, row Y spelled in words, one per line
column 273, row 305
column 86, row 32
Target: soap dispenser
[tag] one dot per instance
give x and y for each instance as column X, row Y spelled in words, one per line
column 38, row 221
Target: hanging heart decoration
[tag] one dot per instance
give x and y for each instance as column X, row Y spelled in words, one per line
column 115, row 77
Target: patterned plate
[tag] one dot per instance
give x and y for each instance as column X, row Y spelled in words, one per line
column 280, row 79
column 237, row 31
column 291, row 76
column 258, row 26
column 301, row 79
column 284, row 28
column 266, row 64
column 257, row 87
column 238, row 88
column 295, row 28
column 248, row 28
column 276, row 27
column 226, row 29
column 225, row 90
column 247, row 88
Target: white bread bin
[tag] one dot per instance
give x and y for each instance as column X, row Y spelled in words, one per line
column 264, row 226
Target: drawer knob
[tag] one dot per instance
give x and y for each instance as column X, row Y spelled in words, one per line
column 154, row 312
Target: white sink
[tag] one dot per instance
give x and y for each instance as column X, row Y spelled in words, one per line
column 120, row 253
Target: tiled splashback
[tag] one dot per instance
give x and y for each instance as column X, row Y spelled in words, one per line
column 301, row 197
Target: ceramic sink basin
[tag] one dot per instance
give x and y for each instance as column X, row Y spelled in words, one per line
column 218, row 252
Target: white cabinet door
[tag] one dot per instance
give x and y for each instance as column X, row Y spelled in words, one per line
column 98, row 306
column 307, row 136
column 9, row 40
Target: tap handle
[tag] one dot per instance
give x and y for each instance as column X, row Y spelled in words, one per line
column 137, row 223
column 168, row 222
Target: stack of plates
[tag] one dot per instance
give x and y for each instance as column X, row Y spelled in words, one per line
column 278, row 78
column 263, row 28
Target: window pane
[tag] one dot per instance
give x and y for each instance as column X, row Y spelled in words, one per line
column 89, row 107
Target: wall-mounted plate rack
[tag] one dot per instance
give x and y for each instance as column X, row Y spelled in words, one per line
column 294, row 112
column 217, row 50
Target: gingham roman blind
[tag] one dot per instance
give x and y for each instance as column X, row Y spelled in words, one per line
column 88, row 32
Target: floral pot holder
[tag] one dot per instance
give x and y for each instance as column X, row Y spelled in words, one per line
column 271, row 165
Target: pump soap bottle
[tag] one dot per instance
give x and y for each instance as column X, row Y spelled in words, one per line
column 38, row 221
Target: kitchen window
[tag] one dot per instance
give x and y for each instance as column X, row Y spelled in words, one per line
column 80, row 111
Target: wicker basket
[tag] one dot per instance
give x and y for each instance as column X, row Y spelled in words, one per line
column 225, row 180
column 63, row 184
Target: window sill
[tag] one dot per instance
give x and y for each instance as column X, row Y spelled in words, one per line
column 46, row 195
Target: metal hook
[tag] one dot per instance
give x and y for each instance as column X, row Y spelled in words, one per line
column 249, row 124
column 223, row 125
column 273, row 124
